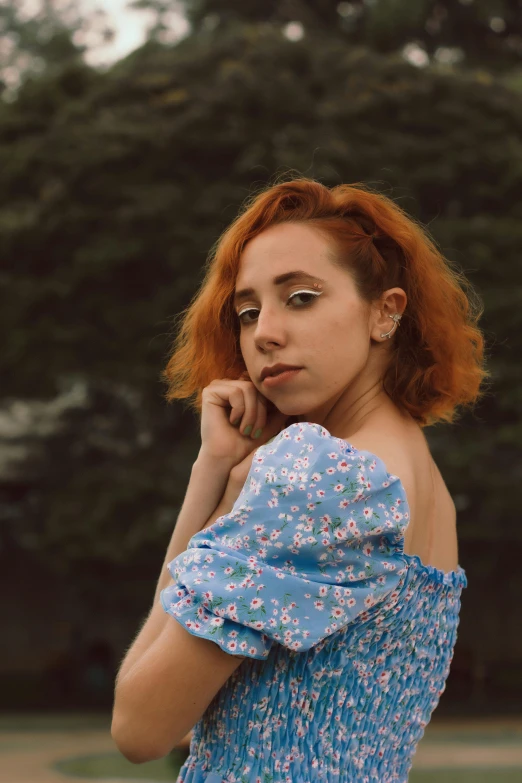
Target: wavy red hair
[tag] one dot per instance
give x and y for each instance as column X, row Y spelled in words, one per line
column 437, row 354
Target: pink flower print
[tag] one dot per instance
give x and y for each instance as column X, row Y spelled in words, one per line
column 330, row 471
column 256, row 603
column 316, row 476
column 326, row 519
column 207, row 595
column 273, row 503
column 232, row 646
column 344, row 503
column 320, row 493
column 343, row 466
column 216, row 621
column 231, row 586
column 372, row 465
column 368, row 512
column 228, row 570
column 333, row 455
column 319, row 605
column 338, row 488
column 284, row 471
column 368, row 549
column 231, row 609
column 351, row 602
column 259, row 528
column 338, row 613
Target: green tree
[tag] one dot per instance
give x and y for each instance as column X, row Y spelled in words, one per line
column 44, row 35
column 485, row 33
column 115, row 186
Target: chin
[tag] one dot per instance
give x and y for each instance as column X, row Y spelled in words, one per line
column 292, row 410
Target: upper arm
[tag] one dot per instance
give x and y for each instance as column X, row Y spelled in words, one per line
column 168, row 691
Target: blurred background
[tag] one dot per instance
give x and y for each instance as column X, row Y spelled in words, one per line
column 130, row 134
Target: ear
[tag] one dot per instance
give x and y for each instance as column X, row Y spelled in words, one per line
column 393, row 301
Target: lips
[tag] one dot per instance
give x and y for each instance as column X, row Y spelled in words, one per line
column 280, row 378
column 277, row 369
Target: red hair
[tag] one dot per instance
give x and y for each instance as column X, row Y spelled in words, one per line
column 437, row 353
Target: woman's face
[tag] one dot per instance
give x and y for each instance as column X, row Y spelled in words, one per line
column 327, row 329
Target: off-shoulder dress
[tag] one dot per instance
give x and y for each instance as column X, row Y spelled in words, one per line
column 348, row 640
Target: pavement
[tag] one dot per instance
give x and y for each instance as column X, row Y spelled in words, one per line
column 27, row 755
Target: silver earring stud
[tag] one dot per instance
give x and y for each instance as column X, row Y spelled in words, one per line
column 396, row 318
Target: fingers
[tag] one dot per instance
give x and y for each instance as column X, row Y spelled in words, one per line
column 248, row 407
column 237, row 401
column 254, row 417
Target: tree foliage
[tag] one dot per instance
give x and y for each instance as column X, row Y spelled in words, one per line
column 115, row 186
column 485, row 33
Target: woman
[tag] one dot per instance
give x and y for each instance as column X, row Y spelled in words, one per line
column 314, row 567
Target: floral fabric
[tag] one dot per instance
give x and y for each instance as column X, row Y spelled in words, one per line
column 307, row 577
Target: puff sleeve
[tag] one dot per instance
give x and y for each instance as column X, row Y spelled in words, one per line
column 311, row 545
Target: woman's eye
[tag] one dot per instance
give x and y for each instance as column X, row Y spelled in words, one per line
column 310, row 294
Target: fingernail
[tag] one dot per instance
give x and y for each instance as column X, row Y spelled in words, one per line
column 237, row 422
column 257, row 433
column 247, row 430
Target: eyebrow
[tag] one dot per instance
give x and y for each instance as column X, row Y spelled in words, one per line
column 239, row 296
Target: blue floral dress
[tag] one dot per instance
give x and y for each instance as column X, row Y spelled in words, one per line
column 347, row 640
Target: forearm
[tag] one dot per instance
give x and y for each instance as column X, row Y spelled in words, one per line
column 209, row 495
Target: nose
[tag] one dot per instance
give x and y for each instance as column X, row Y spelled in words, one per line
column 269, row 329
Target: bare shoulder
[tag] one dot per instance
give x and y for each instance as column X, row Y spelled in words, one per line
column 403, row 448
column 400, row 448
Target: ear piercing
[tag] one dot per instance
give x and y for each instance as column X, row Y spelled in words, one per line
column 396, row 318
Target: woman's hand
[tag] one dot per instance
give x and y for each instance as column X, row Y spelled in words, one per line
column 225, row 401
